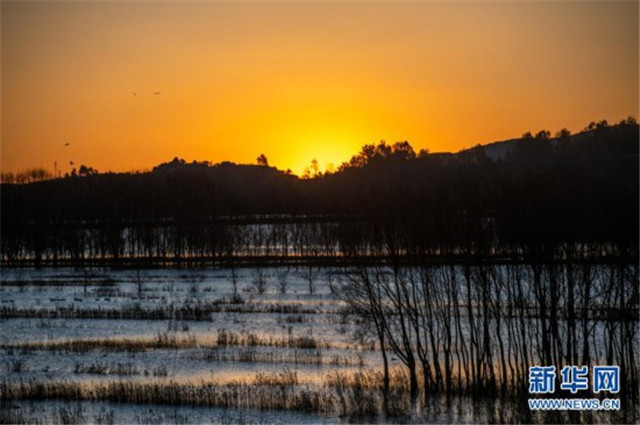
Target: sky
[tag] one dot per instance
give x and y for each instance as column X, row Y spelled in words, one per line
column 129, row 85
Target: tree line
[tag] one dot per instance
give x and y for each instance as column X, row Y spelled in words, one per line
column 476, row 328
column 541, row 194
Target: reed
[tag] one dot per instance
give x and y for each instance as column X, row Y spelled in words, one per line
column 344, row 394
column 296, row 356
column 226, row 337
column 191, row 312
column 160, row 341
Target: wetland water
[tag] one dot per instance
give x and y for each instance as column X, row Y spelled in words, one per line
column 269, row 345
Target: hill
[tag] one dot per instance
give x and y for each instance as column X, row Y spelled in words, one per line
column 533, row 190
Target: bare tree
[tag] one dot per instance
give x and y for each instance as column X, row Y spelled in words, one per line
column 259, row 280
column 283, row 280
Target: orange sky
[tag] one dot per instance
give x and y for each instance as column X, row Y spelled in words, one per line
column 302, row 80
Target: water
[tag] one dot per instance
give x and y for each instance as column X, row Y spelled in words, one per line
column 274, row 323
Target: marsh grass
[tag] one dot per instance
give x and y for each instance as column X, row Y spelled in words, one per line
column 70, row 415
column 9, row 415
column 250, row 355
column 169, row 341
column 353, row 396
column 122, row 369
column 226, row 337
column 160, row 341
column 135, row 312
column 295, row 318
column 107, row 369
column 176, row 326
column 190, row 312
column 232, row 395
column 60, row 281
column 286, row 378
column 345, row 394
column 361, row 394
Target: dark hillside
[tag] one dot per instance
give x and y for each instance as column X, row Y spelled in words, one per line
column 539, row 191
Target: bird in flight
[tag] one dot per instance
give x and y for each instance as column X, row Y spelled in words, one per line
column 133, row 93
column 67, row 144
column 157, row 92
column 70, row 162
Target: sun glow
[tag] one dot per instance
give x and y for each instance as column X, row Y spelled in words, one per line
column 328, row 154
column 330, row 147
column 296, row 81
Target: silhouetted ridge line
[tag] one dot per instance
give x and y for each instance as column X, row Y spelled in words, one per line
column 503, row 200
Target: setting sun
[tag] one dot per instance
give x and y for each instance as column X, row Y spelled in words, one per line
column 330, row 145
column 130, row 85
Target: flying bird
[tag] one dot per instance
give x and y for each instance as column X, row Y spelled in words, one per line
column 157, row 92
column 133, row 93
column 67, row 144
column 70, row 162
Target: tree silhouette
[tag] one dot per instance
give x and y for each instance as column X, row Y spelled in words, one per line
column 262, row 160
column 579, row 189
column 86, row 171
column 312, row 171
